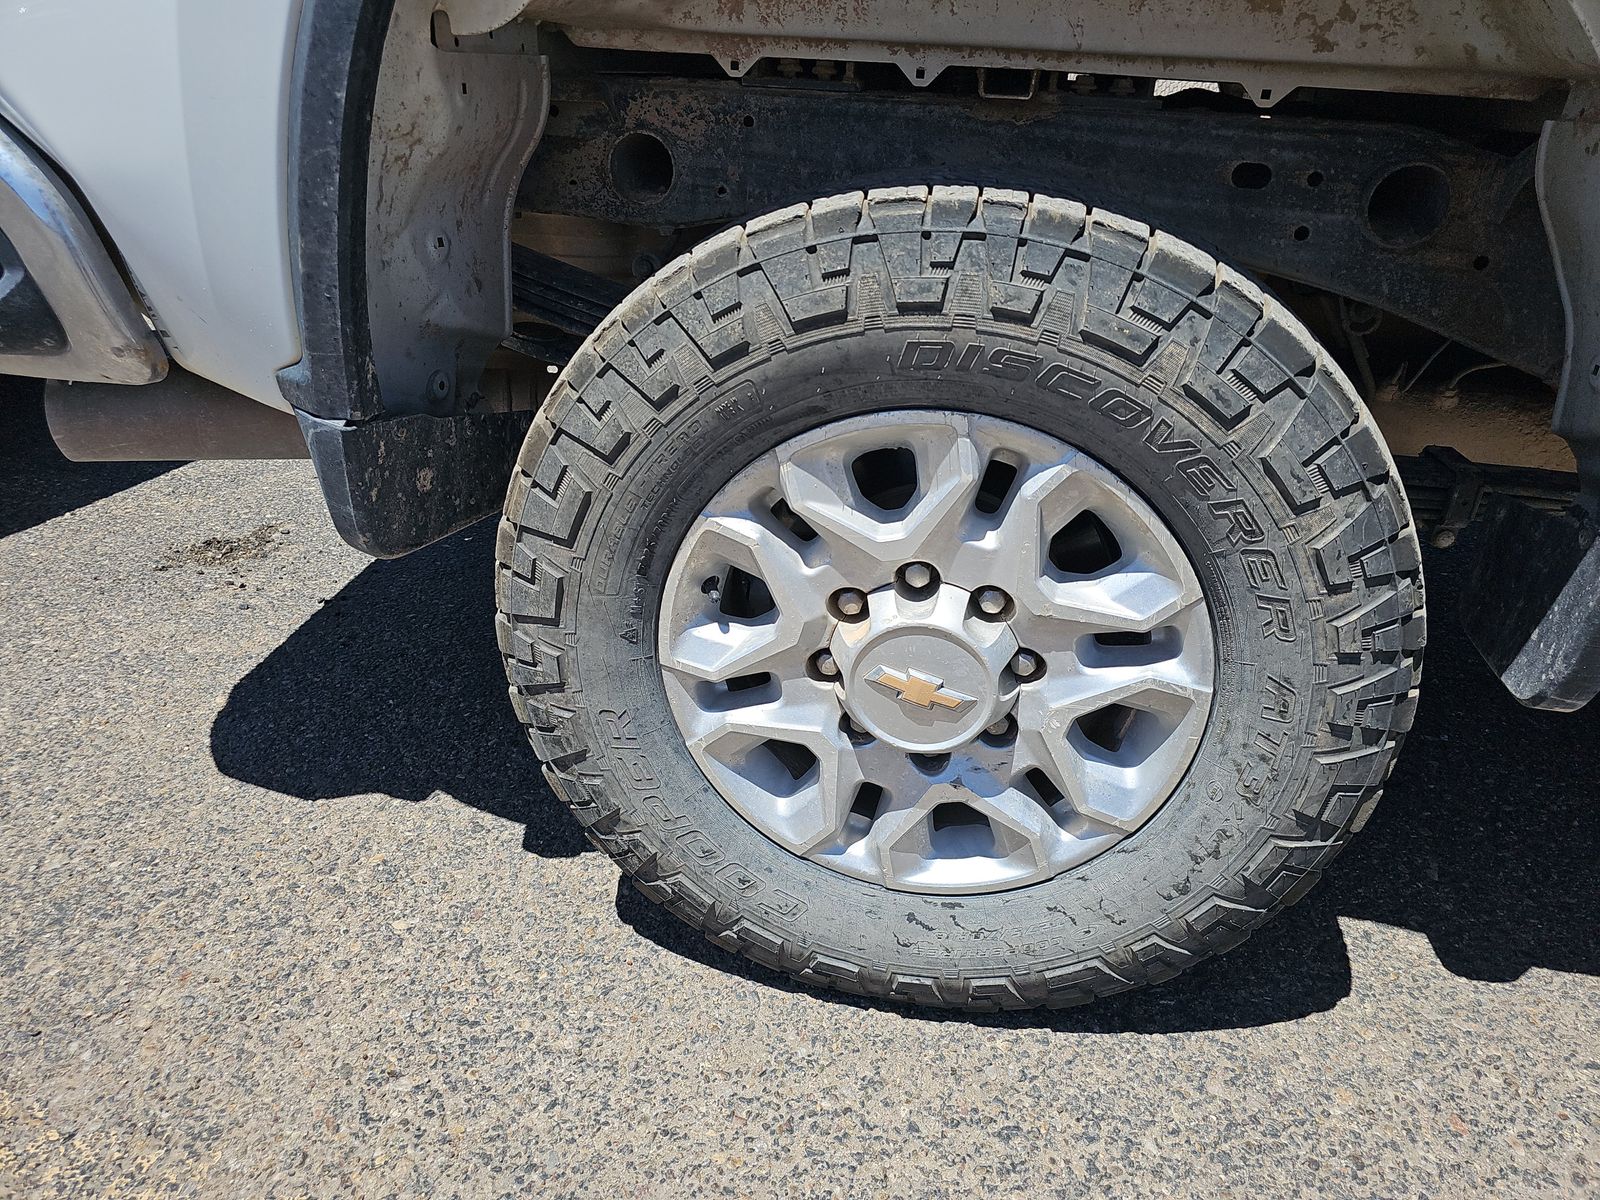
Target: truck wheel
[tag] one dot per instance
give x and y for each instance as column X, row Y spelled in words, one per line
column 961, row 597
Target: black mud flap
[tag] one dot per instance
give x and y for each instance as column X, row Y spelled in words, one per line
column 398, row 483
column 1532, row 604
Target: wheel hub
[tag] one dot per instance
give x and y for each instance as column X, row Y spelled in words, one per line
column 925, row 674
column 936, row 651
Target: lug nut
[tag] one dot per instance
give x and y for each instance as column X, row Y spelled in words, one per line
column 1026, row 664
column 917, row 575
column 824, row 664
column 992, row 601
column 850, row 602
column 1000, row 729
column 852, row 730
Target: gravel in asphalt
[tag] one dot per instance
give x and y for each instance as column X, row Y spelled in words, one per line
column 288, row 911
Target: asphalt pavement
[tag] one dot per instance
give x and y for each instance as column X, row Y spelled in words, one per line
column 285, row 910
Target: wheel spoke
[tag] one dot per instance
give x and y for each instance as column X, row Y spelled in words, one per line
column 1171, row 685
column 1158, row 708
column 1145, row 589
column 802, row 814
column 1034, row 836
column 864, row 541
column 1135, row 600
column 892, row 834
column 1112, row 795
column 712, row 645
column 1008, row 830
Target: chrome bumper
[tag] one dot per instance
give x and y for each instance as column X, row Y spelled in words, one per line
column 65, row 312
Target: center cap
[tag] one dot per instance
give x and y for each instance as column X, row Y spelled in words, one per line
column 927, row 674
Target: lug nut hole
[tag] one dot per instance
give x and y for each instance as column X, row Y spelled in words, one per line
column 991, row 604
column 1027, row 666
column 823, row 667
column 856, row 735
column 917, row 579
column 848, row 604
column 1002, row 733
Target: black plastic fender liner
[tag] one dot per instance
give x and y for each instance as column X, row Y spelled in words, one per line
column 394, row 482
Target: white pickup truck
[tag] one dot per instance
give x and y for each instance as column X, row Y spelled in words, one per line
column 961, row 467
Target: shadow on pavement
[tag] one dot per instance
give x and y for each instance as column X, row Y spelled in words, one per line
column 37, row 483
column 1487, row 840
column 395, row 687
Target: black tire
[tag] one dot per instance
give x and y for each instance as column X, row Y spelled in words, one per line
column 1212, row 401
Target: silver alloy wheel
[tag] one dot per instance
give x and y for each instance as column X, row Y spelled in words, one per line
column 920, row 739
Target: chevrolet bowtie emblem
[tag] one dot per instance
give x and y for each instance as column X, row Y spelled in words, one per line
column 914, row 687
